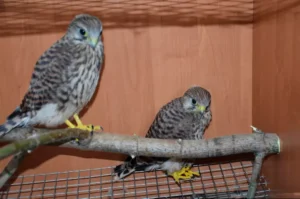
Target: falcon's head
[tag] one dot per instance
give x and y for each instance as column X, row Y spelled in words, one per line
column 85, row 29
column 196, row 99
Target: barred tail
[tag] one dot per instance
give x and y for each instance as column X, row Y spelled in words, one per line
column 13, row 120
column 125, row 169
column 8, row 126
column 141, row 164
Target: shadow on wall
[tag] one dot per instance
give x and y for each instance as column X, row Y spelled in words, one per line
column 264, row 9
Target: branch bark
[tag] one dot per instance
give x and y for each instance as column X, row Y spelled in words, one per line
column 255, row 173
column 11, row 167
column 34, row 138
column 269, row 143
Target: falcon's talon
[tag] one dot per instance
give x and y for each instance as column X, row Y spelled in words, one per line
column 81, row 126
column 184, row 174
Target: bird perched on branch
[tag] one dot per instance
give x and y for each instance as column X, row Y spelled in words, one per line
column 64, row 78
column 185, row 118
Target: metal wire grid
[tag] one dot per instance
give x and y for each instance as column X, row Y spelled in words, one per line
column 223, row 180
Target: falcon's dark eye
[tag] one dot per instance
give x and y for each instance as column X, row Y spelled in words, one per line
column 82, row 32
column 194, row 101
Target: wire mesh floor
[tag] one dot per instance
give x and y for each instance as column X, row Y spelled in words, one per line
column 218, row 180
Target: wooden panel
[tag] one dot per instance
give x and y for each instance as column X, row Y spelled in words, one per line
column 276, row 88
column 145, row 67
column 38, row 16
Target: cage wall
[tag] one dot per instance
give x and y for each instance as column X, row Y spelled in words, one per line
column 153, row 52
column 276, row 88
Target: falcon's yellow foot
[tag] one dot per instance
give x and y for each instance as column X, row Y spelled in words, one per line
column 81, row 126
column 184, row 174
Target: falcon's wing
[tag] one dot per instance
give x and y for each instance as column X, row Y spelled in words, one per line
column 49, row 74
column 169, row 122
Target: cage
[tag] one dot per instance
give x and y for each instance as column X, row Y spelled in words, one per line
column 242, row 51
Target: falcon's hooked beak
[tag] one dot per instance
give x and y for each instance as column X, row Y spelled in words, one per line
column 201, row 108
column 93, row 41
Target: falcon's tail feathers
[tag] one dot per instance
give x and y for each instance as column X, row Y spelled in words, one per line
column 132, row 164
column 13, row 120
column 125, row 169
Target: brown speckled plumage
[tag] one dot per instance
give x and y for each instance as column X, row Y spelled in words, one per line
column 64, row 78
column 177, row 119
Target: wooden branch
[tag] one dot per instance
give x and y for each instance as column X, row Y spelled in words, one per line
column 11, row 167
column 269, row 143
column 34, row 139
column 26, row 139
column 255, row 173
